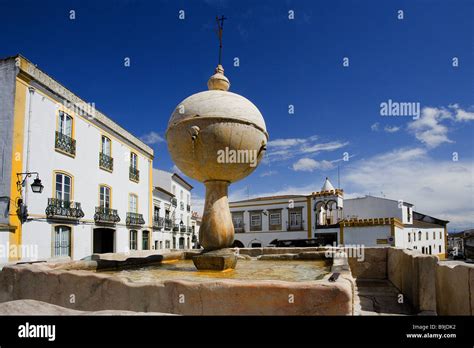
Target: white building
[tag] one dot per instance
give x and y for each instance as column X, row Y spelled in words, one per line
column 327, row 218
column 96, row 175
column 171, row 211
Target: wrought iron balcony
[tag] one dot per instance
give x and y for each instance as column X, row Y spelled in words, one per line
column 175, row 228
column 190, row 229
column 182, row 229
column 168, row 224
column 158, row 222
column 106, row 215
column 106, row 162
column 66, row 209
column 181, row 204
column 188, row 207
column 134, row 174
column 174, row 202
column 65, row 143
column 134, row 219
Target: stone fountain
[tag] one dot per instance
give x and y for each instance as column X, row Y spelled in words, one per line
column 216, row 137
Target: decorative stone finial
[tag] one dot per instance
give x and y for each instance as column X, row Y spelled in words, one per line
column 218, row 81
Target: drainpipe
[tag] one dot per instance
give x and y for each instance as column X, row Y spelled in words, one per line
column 28, row 139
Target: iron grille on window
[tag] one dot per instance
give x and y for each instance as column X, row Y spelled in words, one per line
column 65, row 143
column 60, row 208
column 134, row 219
column 106, row 215
column 106, row 162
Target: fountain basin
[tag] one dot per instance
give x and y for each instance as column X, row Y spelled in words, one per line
column 102, row 284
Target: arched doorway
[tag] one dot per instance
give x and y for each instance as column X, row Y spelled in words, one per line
column 103, row 240
column 238, row 244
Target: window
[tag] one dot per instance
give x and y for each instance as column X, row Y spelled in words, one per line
column 295, row 219
column 156, row 213
column 133, row 240
column 188, row 200
column 104, row 196
column 419, row 235
column 132, row 203
column 238, row 220
column 256, row 220
column 167, row 244
column 62, row 241
column 275, row 219
column 426, row 234
column 440, row 235
column 65, row 124
column 434, row 235
column 134, row 173
column 133, row 160
column 145, row 240
column 409, row 237
column 106, row 146
column 63, row 187
column 439, row 249
column 408, row 214
column 161, row 244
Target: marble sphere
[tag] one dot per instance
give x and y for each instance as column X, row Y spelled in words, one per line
column 216, row 137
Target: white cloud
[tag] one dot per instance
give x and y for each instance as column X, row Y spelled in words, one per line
column 443, row 189
column 286, row 142
column 431, row 128
column 391, row 129
column 309, row 165
column 462, row 115
column 333, row 145
column 197, row 204
column 428, row 128
column 375, row 127
column 268, row 173
column 285, row 149
column 152, row 138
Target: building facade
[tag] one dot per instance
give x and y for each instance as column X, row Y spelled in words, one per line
column 331, row 219
column 97, row 177
column 171, row 211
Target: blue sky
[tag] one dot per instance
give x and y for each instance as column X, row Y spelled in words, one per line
column 283, row 62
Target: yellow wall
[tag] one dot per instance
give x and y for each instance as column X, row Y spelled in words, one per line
column 21, row 89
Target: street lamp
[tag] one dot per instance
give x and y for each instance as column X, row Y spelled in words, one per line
column 36, row 186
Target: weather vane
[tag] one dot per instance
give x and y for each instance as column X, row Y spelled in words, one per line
column 220, row 28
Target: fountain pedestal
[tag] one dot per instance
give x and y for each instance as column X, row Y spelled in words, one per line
column 215, row 260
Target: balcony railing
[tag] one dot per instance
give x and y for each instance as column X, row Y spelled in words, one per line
column 188, row 207
column 106, row 215
column 158, row 222
column 134, row 219
column 190, row 229
column 134, row 174
column 60, row 208
column 174, row 202
column 65, row 143
column 182, row 228
column 106, row 162
column 181, row 204
column 168, row 224
column 175, row 228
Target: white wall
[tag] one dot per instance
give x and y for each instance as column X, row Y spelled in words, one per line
column 436, row 242
column 86, row 174
column 374, row 207
column 366, row 235
column 265, row 238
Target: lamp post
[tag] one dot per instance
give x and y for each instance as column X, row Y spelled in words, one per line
column 36, row 187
